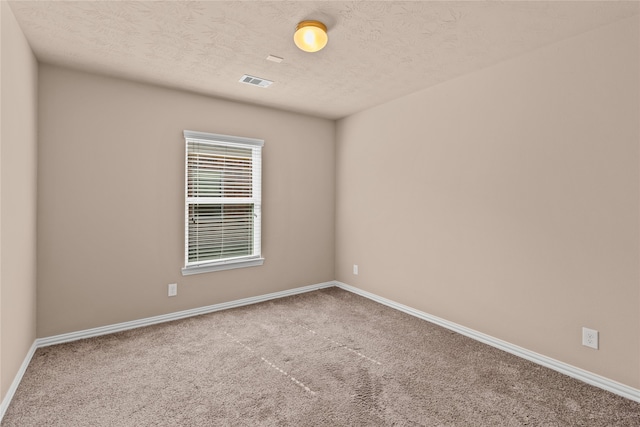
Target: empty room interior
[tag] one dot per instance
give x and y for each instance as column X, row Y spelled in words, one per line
column 472, row 168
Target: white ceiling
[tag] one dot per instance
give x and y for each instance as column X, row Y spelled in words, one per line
column 377, row 51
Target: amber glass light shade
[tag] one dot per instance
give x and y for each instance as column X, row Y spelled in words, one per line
column 311, row 36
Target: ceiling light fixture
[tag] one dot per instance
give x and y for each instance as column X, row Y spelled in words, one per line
column 311, row 36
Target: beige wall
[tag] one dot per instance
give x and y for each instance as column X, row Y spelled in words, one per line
column 507, row 200
column 111, row 200
column 18, row 164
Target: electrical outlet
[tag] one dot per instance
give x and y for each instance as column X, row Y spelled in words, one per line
column 355, row 269
column 590, row 338
column 173, row 289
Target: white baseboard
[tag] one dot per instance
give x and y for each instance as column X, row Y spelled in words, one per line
column 118, row 327
column 564, row 368
column 109, row 329
column 16, row 381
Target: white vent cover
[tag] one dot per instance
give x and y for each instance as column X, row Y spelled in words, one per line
column 255, row 81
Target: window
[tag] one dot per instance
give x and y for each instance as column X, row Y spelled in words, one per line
column 222, row 202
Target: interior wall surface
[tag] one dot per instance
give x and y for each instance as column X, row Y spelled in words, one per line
column 18, row 171
column 507, row 200
column 111, row 207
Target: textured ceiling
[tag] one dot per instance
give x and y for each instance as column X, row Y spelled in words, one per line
column 377, row 51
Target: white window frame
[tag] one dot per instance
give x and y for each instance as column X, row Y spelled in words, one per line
column 255, row 258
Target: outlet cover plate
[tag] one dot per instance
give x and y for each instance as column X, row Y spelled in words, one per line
column 590, row 338
column 173, row 289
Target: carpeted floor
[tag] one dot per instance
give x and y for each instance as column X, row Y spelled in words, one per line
column 325, row 358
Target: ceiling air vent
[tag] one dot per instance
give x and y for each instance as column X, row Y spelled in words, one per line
column 255, row 81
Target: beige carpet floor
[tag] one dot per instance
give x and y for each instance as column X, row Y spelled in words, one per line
column 325, row 358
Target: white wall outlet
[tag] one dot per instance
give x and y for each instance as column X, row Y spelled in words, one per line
column 355, row 269
column 173, row 289
column 590, row 338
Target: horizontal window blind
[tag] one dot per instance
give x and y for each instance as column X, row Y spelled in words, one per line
column 219, row 171
column 223, row 197
column 220, row 231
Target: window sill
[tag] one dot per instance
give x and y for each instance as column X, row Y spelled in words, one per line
column 228, row 265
